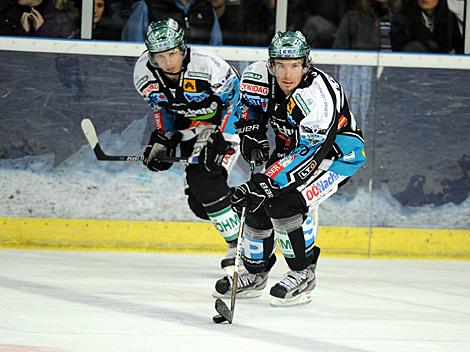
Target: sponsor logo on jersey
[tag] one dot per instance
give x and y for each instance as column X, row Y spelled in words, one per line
column 303, row 106
column 290, row 105
column 254, row 88
column 189, row 85
column 151, row 88
column 274, row 170
column 321, row 186
column 141, row 81
column 251, row 75
column 286, row 160
column 199, row 114
column 303, row 174
column 255, row 100
column 252, row 248
column 202, row 75
column 195, row 97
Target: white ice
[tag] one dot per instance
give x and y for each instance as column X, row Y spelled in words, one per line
column 76, row 301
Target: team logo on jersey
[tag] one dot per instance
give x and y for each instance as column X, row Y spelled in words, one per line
column 201, row 75
column 290, row 105
column 254, row 88
column 195, row 97
column 152, row 87
column 156, row 98
column 303, row 105
column 255, row 100
column 189, row 85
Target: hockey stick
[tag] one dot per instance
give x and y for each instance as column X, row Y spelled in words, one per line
column 90, row 133
column 220, row 306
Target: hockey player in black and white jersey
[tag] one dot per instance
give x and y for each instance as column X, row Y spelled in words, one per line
column 194, row 97
column 318, row 147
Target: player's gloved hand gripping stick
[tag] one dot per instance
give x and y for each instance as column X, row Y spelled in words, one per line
column 226, row 314
column 90, row 133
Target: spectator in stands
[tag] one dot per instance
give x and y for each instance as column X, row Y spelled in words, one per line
column 37, row 18
column 367, row 27
column 103, row 25
column 197, row 17
column 6, row 4
column 426, row 26
column 230, row 15
column 121, row 11
column 259, row 21
column 318, row 19
column 458, row 7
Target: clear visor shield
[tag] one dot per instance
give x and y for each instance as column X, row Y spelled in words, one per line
column 153, row 59
column 172, row 57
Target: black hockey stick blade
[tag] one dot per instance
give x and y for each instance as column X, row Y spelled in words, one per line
column 224, row 312
column 90, row 133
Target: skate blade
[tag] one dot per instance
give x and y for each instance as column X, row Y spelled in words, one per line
column 248, row 294
column 303, row 298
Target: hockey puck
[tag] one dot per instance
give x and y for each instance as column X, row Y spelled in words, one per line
column 218, row 319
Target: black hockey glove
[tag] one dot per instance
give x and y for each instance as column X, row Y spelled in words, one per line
column 214, row 151
column 254, row 145
column 253, row 193
column 160, row 145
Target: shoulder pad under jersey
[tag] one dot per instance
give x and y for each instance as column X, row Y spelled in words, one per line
column 144, row 79
column 255, row 78
column 213, row 69
column 316, row 104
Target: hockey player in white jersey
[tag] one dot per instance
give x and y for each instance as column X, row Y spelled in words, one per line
column 194, row 97
column 318, row 147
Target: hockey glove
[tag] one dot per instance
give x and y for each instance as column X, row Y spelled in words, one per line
column 253, row 193
column 214, row 151
column 254, row 145
column 160, row 145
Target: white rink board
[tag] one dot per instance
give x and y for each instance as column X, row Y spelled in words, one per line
column 108, row 302
column 238, row 53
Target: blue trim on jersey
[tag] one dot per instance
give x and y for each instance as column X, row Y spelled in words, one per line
column 351, row 146
column 231, row 98
column 353, row 155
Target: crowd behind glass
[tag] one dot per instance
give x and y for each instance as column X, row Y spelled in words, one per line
column 387, row 25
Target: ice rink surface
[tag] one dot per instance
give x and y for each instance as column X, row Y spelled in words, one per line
column 73, row 301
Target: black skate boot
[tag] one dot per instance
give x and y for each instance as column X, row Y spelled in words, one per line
column 296, row 286
column 249, row 285
column 228, row 263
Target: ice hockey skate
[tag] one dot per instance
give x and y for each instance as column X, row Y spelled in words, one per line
column 228, row 263
column 249, row 285
column 295, row 288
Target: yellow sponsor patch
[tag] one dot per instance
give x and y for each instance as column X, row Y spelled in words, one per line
column 290, row 105
column 189, row 85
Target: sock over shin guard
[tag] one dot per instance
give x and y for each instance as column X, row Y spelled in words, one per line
column 296, row 239
column 257, row 250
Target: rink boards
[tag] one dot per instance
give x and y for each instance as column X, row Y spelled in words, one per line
column 363, row 242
